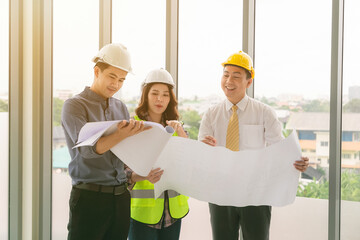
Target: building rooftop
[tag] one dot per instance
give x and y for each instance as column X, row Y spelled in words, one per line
column 58, row 133
column 313, row 121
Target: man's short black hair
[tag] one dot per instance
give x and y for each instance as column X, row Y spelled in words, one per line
column 248, row 73
column 102, row 65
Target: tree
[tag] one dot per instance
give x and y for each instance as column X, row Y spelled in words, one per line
column 4, row 106
column 191, row 119
column 352, row 106
column 268, row 101
column 350, row 188
column 317, row 106
column 314, row 190
column 57, row 107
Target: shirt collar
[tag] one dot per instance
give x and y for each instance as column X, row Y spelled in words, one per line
column 241, row 105
column 95, row 97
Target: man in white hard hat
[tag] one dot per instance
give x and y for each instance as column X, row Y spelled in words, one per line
column 240, row 123
column 100, row 200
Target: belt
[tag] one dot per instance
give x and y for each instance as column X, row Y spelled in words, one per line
column 115, row 190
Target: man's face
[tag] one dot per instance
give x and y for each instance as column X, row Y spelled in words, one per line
column 108, row 82
column 234, row 83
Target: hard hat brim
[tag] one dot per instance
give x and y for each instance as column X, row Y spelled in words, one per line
column 97, row 59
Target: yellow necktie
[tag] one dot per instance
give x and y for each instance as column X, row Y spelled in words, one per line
column 232, row 134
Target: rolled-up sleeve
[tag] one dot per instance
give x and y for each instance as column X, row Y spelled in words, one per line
column 273, row 127
column 205, row 126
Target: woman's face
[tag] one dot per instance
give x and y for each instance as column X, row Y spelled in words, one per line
column 158, row 98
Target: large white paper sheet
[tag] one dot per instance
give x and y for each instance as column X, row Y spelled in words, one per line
column 212, row 174
column 92, row 131
column 217, row 175
column 141, row 151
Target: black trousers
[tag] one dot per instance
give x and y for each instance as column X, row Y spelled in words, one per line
column 226, row 222
column 97, row 215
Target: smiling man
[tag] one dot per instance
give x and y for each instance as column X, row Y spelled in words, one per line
column 240, row 123
column 99, row 200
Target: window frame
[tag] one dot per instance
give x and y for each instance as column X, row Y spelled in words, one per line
column 42, row 107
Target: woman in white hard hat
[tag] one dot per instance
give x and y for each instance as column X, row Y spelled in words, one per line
column 151, row 218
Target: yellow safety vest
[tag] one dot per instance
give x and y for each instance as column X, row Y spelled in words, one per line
column 146, row 209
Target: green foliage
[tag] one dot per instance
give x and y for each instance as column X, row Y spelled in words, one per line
column 314, row 190
column 284, row 107
column 350, row 188
column 317, row 106
column 4, row 106
column 268, row 101
column 57, row 107
column 192, row 120
column 352, row 106
column 321, row 170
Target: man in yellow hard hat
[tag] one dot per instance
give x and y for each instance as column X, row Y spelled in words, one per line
column 240, row 123
column 99, row 200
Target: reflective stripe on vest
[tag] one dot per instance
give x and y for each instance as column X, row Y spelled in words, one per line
column 146, row 209
column 149, row 193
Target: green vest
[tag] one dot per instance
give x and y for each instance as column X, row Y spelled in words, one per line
column 146, row 209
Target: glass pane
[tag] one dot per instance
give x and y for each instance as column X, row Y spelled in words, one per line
column 76, row 41
column 4, row 119
column 142, row 31
column 350, row 161
column 206, row 39
column 202, row 52
column 292, row 72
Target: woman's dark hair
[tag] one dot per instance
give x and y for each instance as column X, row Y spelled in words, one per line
column 170, row 113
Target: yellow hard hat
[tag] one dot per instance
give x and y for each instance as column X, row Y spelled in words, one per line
column 241, row 59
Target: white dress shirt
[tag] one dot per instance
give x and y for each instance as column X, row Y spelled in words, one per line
column 258, row 124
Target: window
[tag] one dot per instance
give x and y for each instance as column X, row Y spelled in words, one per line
column 324, row 144
column 75, row 42
column 307, row 135
column 145, row 40
column 4, row 119
column 347, row 136
column 202, row 52
column 350, row 174
column 292, row 70
column 209, row 32
column 357, row 137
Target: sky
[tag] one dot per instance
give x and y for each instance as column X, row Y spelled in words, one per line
column 292, row 44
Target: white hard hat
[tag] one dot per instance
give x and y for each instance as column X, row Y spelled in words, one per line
column 159, row 75
column 116, row 55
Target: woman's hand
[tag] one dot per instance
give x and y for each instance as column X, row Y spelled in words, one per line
column 177, row 126
column 155, row 175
